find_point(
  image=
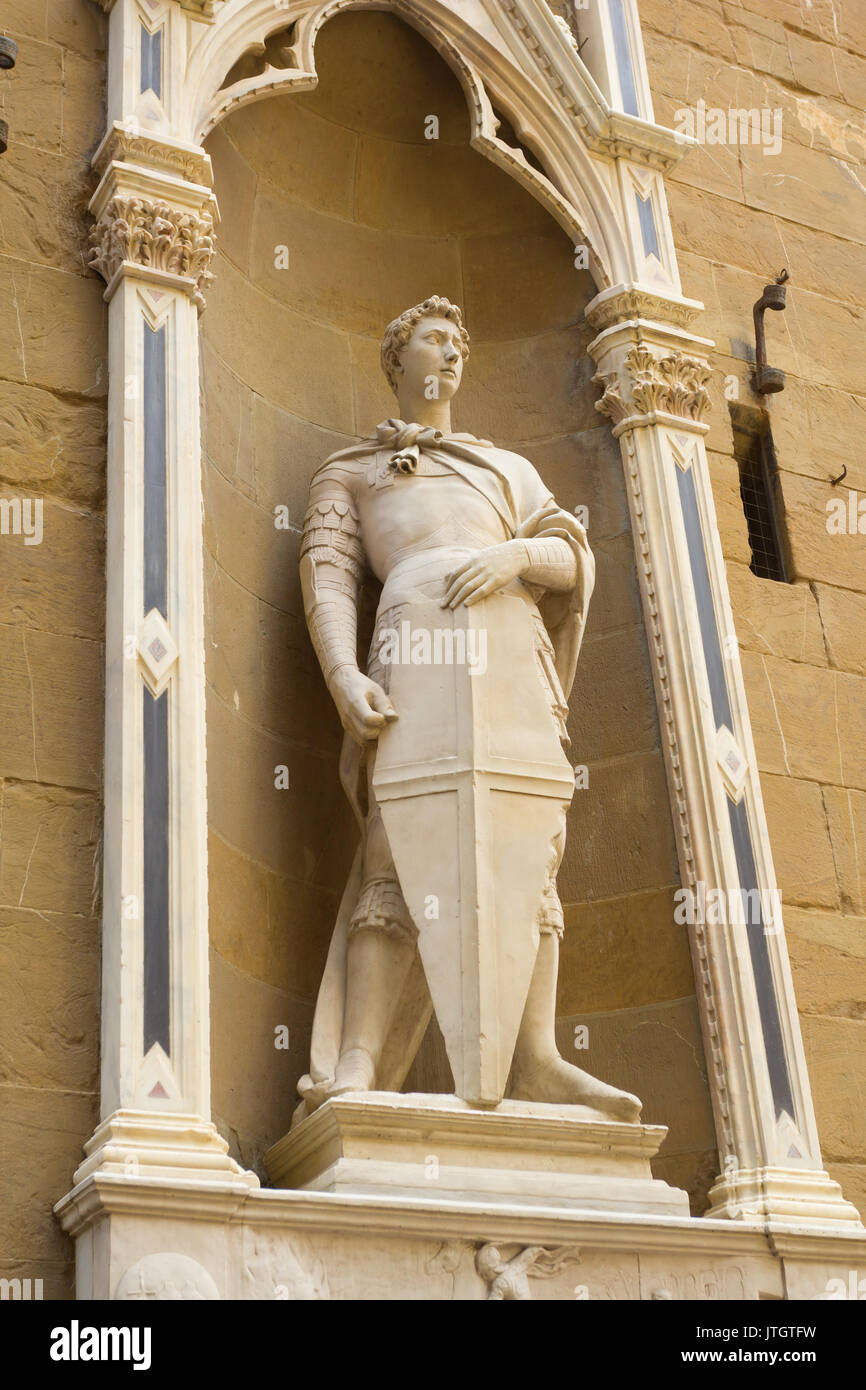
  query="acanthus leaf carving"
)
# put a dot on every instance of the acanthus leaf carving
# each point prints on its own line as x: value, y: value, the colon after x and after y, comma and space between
x: 673, y: 385
x: 156, y: 235
x: 686, y: 391
x: 611, y: 404
x: 647, y: 384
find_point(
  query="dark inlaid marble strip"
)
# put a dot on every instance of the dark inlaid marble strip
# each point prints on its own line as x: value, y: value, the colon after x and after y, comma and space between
x: 155, y: 911
x: 157, y: 977
x: 646, y: 218
x: 777, y: 1065
x: 155, y: 525
x: 704, y: 596
x: 151, y: 62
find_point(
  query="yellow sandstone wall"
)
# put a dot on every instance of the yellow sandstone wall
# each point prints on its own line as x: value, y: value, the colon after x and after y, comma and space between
x: 739, y: 216
x: 375, y: 217
x: 52, y: 601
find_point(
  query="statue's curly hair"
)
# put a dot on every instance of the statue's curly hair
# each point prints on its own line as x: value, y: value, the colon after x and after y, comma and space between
x: 400, y: 330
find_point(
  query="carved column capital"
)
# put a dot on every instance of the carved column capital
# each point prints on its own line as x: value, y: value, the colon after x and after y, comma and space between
x: 154, y: 210
x: 647, y: 386
x: 675, y: 383
x: 651, y: 364
x: 156, y: 235
x: 612, y: 403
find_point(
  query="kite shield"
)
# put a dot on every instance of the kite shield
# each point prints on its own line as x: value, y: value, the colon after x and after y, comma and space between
x: 473, y: 783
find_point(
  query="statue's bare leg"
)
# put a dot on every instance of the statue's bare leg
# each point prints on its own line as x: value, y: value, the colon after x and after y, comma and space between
x: 538, y: 1072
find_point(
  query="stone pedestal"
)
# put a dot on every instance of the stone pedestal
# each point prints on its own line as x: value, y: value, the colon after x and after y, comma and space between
x: 383, y: 1144
x: 425, y: 1198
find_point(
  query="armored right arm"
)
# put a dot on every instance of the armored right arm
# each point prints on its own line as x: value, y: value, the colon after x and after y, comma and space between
x: 332, y: 565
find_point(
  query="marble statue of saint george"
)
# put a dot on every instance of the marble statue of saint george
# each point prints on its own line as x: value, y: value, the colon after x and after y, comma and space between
x: 454, y: 758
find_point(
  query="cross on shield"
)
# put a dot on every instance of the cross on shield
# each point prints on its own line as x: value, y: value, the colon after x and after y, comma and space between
x: 472, y: 782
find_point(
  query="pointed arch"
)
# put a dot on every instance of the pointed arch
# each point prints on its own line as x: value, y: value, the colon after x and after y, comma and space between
x: 570, y: 187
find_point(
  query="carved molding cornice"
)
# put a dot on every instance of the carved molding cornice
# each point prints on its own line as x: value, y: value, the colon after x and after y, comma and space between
x: 205, y: 9
x: 157, y: 236
x: 633, y: 302
x: 628, y: 137
x: 202, y: 9
x: 128, y: 145
x: 672, y: 385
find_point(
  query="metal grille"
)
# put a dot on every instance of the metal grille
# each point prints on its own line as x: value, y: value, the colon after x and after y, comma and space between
x: 756, y: 461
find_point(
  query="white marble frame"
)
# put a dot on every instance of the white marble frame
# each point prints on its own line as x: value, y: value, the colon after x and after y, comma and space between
x: 516, y: 54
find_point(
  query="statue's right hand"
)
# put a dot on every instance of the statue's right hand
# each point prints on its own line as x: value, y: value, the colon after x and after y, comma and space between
x: 363, y: 706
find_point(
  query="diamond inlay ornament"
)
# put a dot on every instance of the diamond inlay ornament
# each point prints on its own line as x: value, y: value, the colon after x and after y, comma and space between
x: 158, y: 651
x: 732, y: 763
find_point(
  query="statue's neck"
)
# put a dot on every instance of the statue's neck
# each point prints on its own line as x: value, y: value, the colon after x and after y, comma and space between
x: 415, y: 409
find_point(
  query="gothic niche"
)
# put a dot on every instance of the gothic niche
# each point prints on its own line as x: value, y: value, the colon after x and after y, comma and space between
x: 340, y: 207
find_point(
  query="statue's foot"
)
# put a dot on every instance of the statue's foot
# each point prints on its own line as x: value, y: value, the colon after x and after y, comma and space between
x: 356, y: 1071
x: 557, y: 1082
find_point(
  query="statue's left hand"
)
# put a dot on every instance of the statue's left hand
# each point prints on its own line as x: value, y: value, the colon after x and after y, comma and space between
x: 484, y: 573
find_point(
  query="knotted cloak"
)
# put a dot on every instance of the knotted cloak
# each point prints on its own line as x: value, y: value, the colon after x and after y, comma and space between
x: 528, y: 511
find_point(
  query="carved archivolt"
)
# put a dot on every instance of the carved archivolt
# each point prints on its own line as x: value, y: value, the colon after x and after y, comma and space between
x: 674, y: 385
x: 155, y: 235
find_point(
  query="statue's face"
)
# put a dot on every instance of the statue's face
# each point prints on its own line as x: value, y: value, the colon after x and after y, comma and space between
x: 433, y: 354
